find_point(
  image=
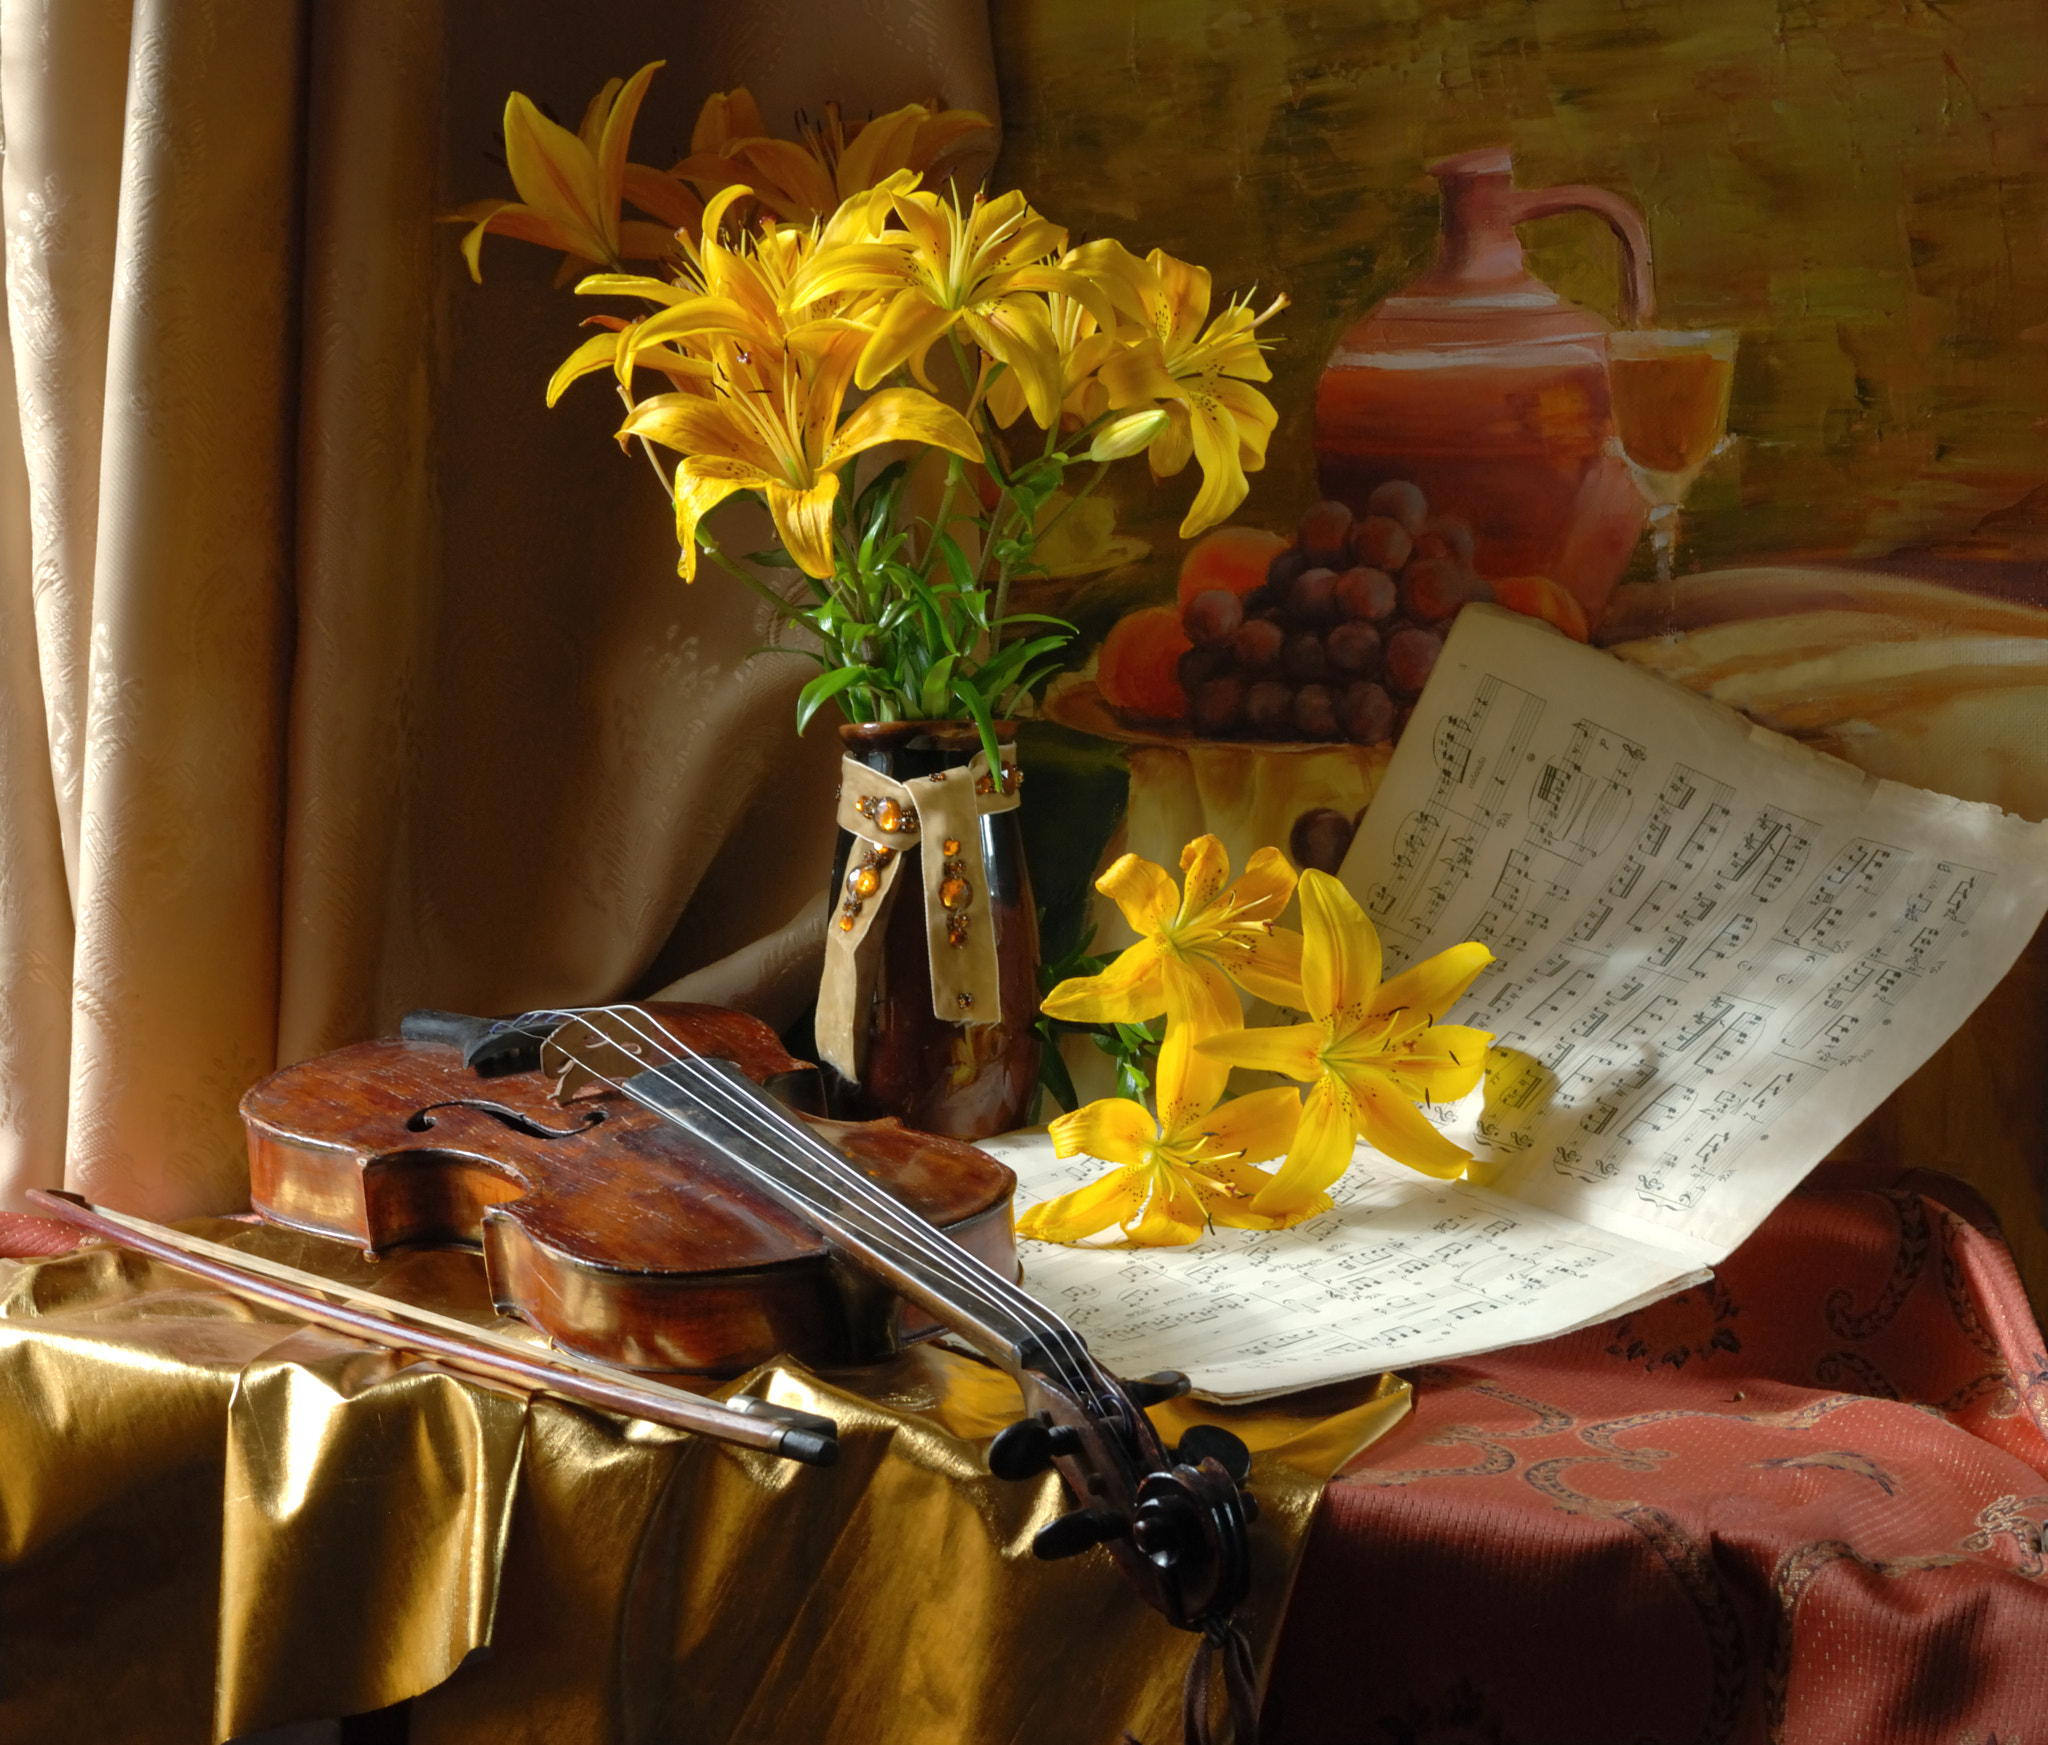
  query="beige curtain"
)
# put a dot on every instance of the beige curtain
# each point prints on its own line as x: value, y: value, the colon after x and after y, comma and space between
x: 337, y: 675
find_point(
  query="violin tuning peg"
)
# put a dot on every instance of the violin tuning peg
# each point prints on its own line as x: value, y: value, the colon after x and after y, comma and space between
x: 1022, y: 1451
x: 1028, y: 1447
x: 1070, y: 1535
x: 1157, y: 1388
x: 1213, y: 1442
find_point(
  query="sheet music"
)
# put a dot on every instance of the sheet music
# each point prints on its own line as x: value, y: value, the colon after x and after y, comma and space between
x: 1404, y: 1270
x: 1718, y: 951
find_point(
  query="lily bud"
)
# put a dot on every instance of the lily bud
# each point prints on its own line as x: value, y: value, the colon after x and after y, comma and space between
x: 1129, y: 435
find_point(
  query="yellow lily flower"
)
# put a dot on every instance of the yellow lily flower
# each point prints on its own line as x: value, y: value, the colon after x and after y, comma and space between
x: 770, y: 423
x: 974, y: 268
x: 1083, y: 348
x: 1193, y: 943
x: 1201, y: 378
x: 1371, y: 1051
x: 570, y: 185
x: 1189, y: 1168
x: 804, y: 179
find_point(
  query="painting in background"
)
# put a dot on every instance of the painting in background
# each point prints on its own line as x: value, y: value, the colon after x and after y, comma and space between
x: 1852, y: 195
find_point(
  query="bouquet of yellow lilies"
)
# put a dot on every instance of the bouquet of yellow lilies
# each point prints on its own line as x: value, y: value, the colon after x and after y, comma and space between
x: 1370, y: 1051
x: 806, y: 289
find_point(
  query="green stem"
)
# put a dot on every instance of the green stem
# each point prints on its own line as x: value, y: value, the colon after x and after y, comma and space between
x: 784, y: 609
x: 955, y: 470
x: 1067, y: 508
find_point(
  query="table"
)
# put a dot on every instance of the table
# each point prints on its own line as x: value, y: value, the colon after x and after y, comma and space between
x: 1803, y: 1502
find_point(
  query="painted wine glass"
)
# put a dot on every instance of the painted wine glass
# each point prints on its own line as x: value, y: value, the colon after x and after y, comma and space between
x: 1669, y: 388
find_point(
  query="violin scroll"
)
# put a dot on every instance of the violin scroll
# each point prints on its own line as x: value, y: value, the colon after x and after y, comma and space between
x: 1177, y: 1522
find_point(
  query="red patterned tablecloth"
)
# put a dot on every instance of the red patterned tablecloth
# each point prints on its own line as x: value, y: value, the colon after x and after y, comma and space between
x: 1803, y: 1502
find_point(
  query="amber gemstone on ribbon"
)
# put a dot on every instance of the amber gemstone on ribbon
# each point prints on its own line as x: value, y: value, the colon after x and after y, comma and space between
x: 889, y: 815
x: 956, y: 893
x: 951, y: 845
x: 865, y: 883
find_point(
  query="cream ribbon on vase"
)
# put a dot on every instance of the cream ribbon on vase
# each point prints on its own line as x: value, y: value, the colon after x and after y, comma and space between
x: 942, y: 814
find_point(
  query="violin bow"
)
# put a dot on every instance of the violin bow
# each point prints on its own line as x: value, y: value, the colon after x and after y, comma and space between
x: 476, y: 1351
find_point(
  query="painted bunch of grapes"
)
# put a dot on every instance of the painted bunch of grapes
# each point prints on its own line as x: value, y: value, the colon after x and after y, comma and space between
x: 1328, y: 637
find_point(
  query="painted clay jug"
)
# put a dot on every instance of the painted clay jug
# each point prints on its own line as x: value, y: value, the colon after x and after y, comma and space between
x: 1480, y: 384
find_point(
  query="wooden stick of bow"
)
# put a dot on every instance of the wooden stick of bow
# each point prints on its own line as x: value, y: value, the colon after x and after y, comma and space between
x: 476, y: 1351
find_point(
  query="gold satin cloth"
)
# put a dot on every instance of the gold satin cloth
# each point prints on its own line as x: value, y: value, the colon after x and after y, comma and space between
x: 214, y: 1519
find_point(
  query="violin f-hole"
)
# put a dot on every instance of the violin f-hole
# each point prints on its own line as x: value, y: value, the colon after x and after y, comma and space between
x: 422, y: 1120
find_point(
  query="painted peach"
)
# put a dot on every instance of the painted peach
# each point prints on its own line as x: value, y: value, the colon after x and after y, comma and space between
x: 1540, y: 597
x: 1135, y: 670
x: 1231, y: 557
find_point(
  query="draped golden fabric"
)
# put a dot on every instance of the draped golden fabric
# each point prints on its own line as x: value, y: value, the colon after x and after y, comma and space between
x: 219, y: 1521
x: 337, y: 675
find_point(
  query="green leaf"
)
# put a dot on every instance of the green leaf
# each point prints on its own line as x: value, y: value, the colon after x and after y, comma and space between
x: 1052, y: 1072
x: 934, y: 694
x: 871, y: 510
x: 954, y: 559
x: 978, y: 709
x: 771, y: 557
x: 825, y: 687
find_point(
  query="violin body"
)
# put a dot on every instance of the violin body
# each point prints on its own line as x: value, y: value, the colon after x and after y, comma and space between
x: 644, y: 1194
x: 616, y: 1233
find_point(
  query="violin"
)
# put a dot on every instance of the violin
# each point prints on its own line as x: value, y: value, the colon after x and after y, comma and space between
x: 652, y: 1187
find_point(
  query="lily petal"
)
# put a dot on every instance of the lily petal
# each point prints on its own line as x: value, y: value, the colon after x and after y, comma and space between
x: 1340, y: 957
x: 1110, y: 1199
x: 664, y: 197
x: 1200, y: 1003
x: 1321, y: 1151
x: 1270, y: 968
x: 599, y: 352
x: 1216, y: 450
x: 1132, y: 990
x: 1418, y: 997
x: 690, y: 424
x: 1015, y: 331
x: 1142, y: 890
x: 1237, y: 1211
x: 1114, y: 1129
x: 1293, y: 1049
x: 1249, y: 1129
x: 904, y: 415
x: 909, y: 327
x: 616, y: 135
x: 803, y: 521
x: 1264, y: 888
x: 511, y: 218
x: 1173, y: 1215
x: 1389, y: 1122
x: 555, y: 175
x: 696, y: 498
x: 1440, y: 1064
x: 1205, y: 869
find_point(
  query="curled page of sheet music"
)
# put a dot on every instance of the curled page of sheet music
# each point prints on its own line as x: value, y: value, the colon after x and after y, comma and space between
x: 1717, y: 952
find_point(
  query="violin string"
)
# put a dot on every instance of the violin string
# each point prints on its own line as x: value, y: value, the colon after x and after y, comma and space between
x: 1062, y: 1346
x: 1060, y: 1341
x: 968, y: 1284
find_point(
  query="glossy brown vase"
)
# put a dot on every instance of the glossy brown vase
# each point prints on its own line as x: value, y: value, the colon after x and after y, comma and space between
x: 963, y: 1081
